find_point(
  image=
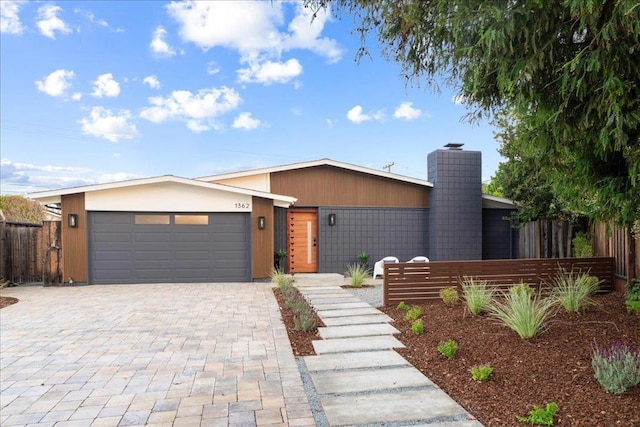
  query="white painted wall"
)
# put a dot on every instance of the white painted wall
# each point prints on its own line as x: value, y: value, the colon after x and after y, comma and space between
x: 258, y: 182
x: 167, y: 197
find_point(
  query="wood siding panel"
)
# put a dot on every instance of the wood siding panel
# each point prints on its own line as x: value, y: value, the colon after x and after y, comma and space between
x: 262, y: 240
x: 74, y: 240
x: 332, y: 186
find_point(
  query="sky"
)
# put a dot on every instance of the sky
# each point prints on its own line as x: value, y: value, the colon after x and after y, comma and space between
x: 102, y: 91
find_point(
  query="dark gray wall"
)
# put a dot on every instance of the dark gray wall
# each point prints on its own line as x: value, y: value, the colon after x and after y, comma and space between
x: 399, y: 232
x: 499, y: 240
x: 455, y: 222
x: 280, y: 232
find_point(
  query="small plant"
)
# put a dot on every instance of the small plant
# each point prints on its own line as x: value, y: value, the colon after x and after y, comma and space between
x: 525, y: 314
x: 404, y: 306
x: 357, y: 274
x: 632, y: 298
x: 617, y: 369
x: 363, y: 259
x: 417, y: 327
x: 541, y: 416
x: 414, y: 313
x: 449, y: 295
x: 304, y: 320
x: 477, y: 294
x: 448, y: 348
x: 521, y: 288
x: 481, y: 372
x: 582, y: 246
x: 573, y: 291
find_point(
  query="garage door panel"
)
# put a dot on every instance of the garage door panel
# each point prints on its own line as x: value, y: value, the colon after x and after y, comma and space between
x: 124, y: 252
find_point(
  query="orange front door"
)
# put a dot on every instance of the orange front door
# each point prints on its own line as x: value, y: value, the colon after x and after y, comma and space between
x: 303, y: 241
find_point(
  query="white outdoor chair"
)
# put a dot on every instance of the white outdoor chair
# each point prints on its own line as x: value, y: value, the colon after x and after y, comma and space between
x: 419, y: 259
x: 378, y: 267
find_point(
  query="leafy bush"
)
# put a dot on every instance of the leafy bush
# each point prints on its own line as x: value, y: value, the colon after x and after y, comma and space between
x: 582, y: 246
x: 521, y: 288
x: 449, y: 295
x: 304, y: 320
x: 541, y: 416
x: 481, y: 372
x: 573, y: 291
x: 20, y: 209
x: 414, y: 313
x: 357, y: 273
x: 417, y: 327
x: 363, y: 259
x: 524, y: 313
x: 448, y: 348
x: 477, y: 294
x: 632, y: 297
x: 404, y: 306
x: 617, y: 369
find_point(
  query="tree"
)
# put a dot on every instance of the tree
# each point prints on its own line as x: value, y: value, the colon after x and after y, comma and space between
x: 21, y: 209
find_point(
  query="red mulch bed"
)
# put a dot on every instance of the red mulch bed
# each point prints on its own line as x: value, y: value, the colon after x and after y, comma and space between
x: 5, y: 301
x: 300, y: 341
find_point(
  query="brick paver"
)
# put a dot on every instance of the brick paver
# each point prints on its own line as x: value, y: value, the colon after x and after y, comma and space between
x: 166, y: 355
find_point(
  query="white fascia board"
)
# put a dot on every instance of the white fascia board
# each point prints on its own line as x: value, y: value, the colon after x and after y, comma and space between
x: 498, y: 201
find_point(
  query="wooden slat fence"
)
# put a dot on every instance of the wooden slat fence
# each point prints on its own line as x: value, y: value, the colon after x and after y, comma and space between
x: 415, y: 282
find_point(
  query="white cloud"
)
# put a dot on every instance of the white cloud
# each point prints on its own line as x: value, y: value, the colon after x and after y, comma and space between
x: 459, y: 99
x: 10, y: 17
x: 305, y: 34
x: 76, y: 96
x: 270, y: 72
x: 406, y: 111
x: 152, y: 81
x: 246, y: 122
x: 56, y: 83
x: 357, y: 116
x: 105, y: 85
x: 159, y: 46
x: 199, y: 110
x: 101, y: 22
x: 104, y: 123
x: 49, y: 22
x: 212, y: 68
x: 331, y: 123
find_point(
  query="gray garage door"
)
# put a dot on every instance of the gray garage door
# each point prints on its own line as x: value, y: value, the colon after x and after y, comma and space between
x: 130, y: 247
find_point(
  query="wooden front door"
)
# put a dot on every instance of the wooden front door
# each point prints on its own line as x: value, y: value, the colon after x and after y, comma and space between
x: 302, y: 238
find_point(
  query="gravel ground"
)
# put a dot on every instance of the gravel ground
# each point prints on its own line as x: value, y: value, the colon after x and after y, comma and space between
x: 372, y: 296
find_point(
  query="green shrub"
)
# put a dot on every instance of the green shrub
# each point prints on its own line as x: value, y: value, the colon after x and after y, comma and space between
x: 357, y: 274
x: 304, y: 320
x: 448, y: 348
x: 414, y: 313
x: 449, y: 295
x: 617, y: 369
x: 404, y: 306
x: 477, y: 294
x: 521, y: 288
x: 481, y: 372
x: 296, y: 303
x: 524, y: 313
x: 541, y: 416
x: 417, y: 327
x: 363, y: 259
x: 573, y: 291
x: 632, y: 298
x: 582, y: 246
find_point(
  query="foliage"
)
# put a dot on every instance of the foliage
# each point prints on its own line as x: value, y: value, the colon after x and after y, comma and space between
x: 417, y: 327
x: 363, y: 258
x: 541, y: 416
x: 449, y: 295
x: 521, y: 288
x: 477, y: 295
x: 632, y: 297
x: 617, y: 369
x: 573, y: 291
x: 481, y: 372
x: 403, y: 306
x: 524, y: 313
x: 304, y: 319
x: 413, y: 313
x: 448, y: 348
x: 357, y: 274
x: 582, y: 246
x: 280, y: 254
x: 21, y: 209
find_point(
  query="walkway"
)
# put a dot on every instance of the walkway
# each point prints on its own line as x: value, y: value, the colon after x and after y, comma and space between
x: 356, y: 373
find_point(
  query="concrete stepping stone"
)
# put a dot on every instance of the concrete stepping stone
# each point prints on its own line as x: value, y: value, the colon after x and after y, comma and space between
x: 335, y: 295
x: 390, y: 407
x: 368, y: 380
x: 342, y: 345
x: 321, y: 291
x: 365, y: 330
x: 340, y: 305
x: 334, y: 300
x: 349, y: 312
x: 357, y: 320
x: 355, y: 360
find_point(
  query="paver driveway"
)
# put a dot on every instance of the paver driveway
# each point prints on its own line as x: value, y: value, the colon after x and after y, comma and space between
x: 169, y: 354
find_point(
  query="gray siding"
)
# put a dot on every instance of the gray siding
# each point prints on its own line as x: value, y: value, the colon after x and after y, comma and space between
x: 123, y: 252
x: 399, y: 232
x: 499, y: 239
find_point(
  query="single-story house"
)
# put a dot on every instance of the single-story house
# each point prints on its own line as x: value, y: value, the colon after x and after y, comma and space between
x: 226, y: 228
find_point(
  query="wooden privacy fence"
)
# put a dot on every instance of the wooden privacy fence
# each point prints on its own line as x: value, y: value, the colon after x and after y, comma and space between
x: 31, y: 253
x: 416, y: 282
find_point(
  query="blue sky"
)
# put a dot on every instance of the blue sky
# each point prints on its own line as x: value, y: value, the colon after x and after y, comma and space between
x: 95, y: 92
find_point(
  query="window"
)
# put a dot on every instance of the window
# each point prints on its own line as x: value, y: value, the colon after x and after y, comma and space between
x: 162, y: 219
x: 192, y: 219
